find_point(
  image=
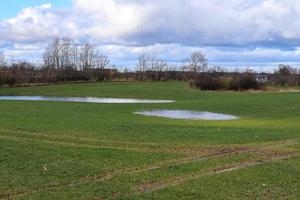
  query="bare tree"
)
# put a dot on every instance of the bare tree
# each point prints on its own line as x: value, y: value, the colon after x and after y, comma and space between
x: 61, y: 54
x: 153, y: 60
x: 172, y: 67
x: 156, y: 63
x: 51, y: 56
x: 90, y: 57
x: 150, y: 62
x: 197, y: 62
x: 75, y: 58
x: 87, y: 56
x: 66, y: 53
x: 101, y: 60
x: 143, y: 63
x: 160, y: 66
x: 2, y: 59
x: 216, y: 69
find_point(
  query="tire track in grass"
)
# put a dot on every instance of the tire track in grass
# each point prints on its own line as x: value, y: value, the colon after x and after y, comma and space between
x: 101, y: 144
x: 175, y: 150
x: 110, y: 175
x: 191, y: 150
x: 90, y: 146
x: 54, y: 136
x: 133, y: 170
x: 175, y: 181
x: 277, y: 109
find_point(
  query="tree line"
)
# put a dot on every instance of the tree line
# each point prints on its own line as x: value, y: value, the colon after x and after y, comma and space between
x: 64, y: 60
x: 64, y: 54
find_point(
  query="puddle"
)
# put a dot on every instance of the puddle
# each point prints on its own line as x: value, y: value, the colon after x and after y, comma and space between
x: 84, y: 99
x: 185, y: 114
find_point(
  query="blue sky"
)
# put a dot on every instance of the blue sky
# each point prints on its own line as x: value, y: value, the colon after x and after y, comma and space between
x: 12, y: 7
x: 235, y: 32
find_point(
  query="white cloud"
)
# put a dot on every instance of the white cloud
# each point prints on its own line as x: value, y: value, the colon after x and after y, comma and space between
x: 108, y: 20
x: 225, y: 30
x: 190, y: 22
x: 35, y: 25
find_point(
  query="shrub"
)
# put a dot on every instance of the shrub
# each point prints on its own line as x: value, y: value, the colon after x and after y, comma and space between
x: 11, y: 81
x: 286, y: 76
x: 206, y: 82
x: 246, y: 81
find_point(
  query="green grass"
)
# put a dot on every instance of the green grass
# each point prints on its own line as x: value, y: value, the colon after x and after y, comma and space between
x: 60, y: 150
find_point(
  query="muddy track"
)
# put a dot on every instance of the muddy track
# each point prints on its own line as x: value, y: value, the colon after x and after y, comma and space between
x: 133, y: 170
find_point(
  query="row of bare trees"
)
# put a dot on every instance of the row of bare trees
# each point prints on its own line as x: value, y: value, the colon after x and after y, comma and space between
x: 196, y: 63
x: 62, y: 54
x: 151, y: 62
x: 65, y: 60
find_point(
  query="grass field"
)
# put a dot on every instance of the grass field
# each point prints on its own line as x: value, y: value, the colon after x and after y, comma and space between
x: 60, y: 150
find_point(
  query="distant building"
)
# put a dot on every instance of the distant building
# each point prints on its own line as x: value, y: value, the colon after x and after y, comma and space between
x: 262, y: 78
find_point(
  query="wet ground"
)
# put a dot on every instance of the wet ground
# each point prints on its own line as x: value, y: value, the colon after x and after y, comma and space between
x: 189, y: 115
x: 84, y: 99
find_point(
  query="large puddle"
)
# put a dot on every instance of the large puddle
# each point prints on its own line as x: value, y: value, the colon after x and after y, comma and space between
x: 84, y: 99
x: 185, y: 114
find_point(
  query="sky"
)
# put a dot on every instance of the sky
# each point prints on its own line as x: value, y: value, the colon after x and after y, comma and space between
x: 232, y: 33
x: 12, y: 7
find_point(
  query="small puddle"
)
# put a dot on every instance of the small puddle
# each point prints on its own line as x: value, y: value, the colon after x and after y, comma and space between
x: 84, y: 99
x: 185, y: 114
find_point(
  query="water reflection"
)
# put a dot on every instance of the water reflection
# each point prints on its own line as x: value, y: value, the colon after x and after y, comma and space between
x: 185, y: 114
x: 84, y: 99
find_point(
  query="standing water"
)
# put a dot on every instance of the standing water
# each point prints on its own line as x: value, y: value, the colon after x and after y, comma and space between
x: 185, y: 114
x: 84, y: 99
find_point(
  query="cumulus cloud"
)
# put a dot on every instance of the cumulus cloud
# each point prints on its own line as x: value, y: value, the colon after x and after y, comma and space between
x: 247, y: 29
x: 32, y: 24
x: 191, y: 22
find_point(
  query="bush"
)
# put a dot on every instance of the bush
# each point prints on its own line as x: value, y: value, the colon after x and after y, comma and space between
x: 246, y: 81
x: 286, y: 76
x: 233, y: 84
x: 206, y: 82
x: 11, y: 81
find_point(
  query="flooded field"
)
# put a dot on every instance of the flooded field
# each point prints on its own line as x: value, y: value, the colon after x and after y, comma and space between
x: 84, y: 99
x: 189, y: 115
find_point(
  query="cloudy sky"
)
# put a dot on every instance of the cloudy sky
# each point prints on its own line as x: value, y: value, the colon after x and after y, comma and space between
x: 252, y: 32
